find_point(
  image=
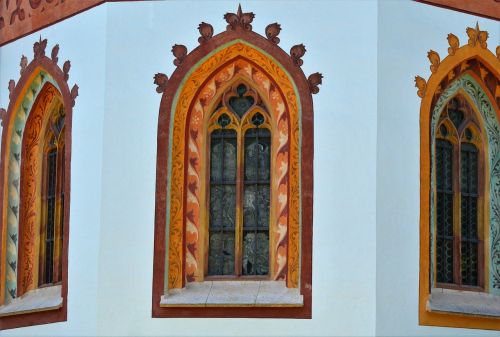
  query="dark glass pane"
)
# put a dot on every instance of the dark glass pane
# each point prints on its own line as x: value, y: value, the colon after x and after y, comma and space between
x: 222, y: 215
x: 223, y: 156
x: 257, y: 155
x: 443, y: 130
x: 241, y: 103
x: 255, y: 252
x: 61, y: 224
x: 221, y: 253
x: 469, y: 214
x: 454, y: 112
x: 222, y: 206
x: 224, y: 120
x: 50, y: 220
x: 444, y: 211
x: 256, y: 202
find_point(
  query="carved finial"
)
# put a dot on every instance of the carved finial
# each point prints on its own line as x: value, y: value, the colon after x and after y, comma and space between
x: 296, y: 53
x: 39, y: 48
x: 206, y: 31
x: 12, y: 86
x: 454, y: 43
x: 477, y: 36
x: 239, y: 20
x: 421, y: 85
x: 180, y: 52
x: 3, y: 116
x: 435, y: 60
x: 315, y: 80
x: 161, y: 81
x: 272, y: 32
x: 55, y: 52
x: 23, y: 64
x: 66, y: 68
x: 74, y: 94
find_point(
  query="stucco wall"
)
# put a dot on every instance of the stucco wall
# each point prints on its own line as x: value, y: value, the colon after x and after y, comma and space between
x: 366, y: 197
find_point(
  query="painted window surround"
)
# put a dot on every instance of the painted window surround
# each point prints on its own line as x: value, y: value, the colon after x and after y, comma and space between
x: 201, y: 76
x: 41, y: 85
x: 472, y: 71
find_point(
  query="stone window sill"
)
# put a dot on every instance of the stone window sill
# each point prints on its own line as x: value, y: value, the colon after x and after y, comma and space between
x: 464, y: 302
x: 233, y: 293
x: 41, y: 299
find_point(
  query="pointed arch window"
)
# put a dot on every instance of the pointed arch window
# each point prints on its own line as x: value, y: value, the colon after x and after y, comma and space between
x: 460, y: 176
x: 234, y: 177
x: 35, y: 188
x: 460, y: 194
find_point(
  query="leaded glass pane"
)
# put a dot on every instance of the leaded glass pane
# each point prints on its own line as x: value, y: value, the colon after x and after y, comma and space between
x: 223, y: 156
x: 256, y: 252
x: 222, y: 213
x: 456, y: 115
x: 50, y: 219
x: 444, y: 210
x: 469, y: 214
x: 241, y: 103
x: 256, y: 202
x: 221, y: 253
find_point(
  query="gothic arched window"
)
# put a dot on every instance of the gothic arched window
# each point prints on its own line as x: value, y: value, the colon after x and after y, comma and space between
x: 459, y: 189
x: 234, y: 178
x: 35, y: 186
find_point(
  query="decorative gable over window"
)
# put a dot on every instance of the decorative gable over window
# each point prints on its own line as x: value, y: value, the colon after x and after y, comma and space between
x: 235, y: 177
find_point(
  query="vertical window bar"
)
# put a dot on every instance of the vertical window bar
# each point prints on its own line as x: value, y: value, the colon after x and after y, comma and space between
x: 444, y: 208
x: 469, y: 214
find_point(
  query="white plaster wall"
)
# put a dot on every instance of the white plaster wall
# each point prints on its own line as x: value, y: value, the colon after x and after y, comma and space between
x: 365, y: 268
x: 407, y: 31
x: 140, y: 36
x: 81, y: 41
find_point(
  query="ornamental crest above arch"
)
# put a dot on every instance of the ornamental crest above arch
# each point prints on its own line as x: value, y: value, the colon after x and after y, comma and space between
x: 243, y: 74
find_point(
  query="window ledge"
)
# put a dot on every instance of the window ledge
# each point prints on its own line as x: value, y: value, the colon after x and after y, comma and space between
x: 464, y: 302
x: 234, y: 293
x: 41, y: 299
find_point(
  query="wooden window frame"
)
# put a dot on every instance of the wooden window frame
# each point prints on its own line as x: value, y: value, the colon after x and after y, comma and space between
x: 42, y: 81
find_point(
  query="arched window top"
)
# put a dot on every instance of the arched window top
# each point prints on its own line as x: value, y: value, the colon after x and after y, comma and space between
x: 34, y: 131
x: 460, y: 161
x: 237, y: 81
